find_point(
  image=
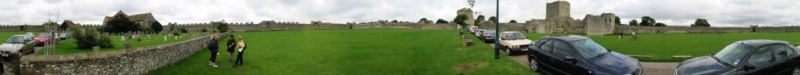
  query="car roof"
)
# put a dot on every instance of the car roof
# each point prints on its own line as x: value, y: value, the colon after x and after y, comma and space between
x: 566, y: 38
x: 511, y: 32
x: 759, y: 42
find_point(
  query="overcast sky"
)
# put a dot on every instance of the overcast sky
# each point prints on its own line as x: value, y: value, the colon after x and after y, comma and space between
x: 671, y: 12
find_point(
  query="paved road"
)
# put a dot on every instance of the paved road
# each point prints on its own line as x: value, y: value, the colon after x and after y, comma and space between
x: 650, y: 68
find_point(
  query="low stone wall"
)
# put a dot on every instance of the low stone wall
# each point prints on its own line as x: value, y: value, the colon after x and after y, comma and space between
x: 132, y: 61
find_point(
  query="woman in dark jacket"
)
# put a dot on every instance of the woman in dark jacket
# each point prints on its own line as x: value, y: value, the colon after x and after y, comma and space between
x: 231, y: 46
x: 213, y: 48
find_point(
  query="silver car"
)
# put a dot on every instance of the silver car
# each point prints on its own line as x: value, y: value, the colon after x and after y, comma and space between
x: 17, y: 44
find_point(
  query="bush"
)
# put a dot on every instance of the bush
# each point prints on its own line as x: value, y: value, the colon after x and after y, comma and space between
x: 204, y: 30
x: 183, y: 30
x: 90, y: 38
x: 176, y: 34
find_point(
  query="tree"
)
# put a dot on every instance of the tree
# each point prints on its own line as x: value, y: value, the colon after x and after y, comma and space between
x: 479, y: 19
x: 221, y: 26
x: 156, y: 26
x: 513, y: 21
x: 316, y: 22
x: 394, y: 21
x: 424, y: 20
x: 660, y: 24
x: 633, y: 23
x: 616, y: 20
x: 701, y: 23
x: 460, y: 20
x: 441, y: 21
x: 493, y: 19
x: 647, y: 21
x: 120, y: 24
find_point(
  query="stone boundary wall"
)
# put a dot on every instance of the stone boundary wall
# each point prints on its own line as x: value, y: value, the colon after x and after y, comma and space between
x: 298, y: 26
x: 135, y: 61
x: 643, y: 29
x: 521, y: 27
x: 21, y: 28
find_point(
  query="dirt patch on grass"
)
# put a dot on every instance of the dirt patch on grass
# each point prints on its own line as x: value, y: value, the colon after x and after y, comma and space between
x: 470, y: 66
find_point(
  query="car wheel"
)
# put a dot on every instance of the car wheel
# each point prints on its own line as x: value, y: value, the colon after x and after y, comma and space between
x: 796, y: 70
x: 534, y: 66
x: 508, y: 51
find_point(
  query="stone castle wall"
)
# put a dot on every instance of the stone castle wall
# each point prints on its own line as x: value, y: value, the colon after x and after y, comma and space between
x: 21, y: 28
x: 127, y: 62
x: 671, y: 29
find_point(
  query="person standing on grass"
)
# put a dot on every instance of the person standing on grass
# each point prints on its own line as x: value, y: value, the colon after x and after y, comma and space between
x: 231, y: 46
x: 213, y: 48
x: 239, y: 59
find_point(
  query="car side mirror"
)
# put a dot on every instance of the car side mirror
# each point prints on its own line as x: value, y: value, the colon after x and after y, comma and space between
x: 571, y: 59
x: 749, y: 67
x: 782, y: 53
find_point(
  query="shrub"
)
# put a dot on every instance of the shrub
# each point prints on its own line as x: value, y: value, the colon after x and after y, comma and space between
x: 204, y: 30
x: 176, y: 34
x: 183, y: 30
x: 221, y: 26
x: 90, y: 38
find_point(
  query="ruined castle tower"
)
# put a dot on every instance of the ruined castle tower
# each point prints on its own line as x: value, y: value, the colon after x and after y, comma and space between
x: 558, y: 10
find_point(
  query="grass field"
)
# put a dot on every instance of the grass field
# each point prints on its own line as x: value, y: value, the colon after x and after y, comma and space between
x: 353, y: 52
x: 663, y: 46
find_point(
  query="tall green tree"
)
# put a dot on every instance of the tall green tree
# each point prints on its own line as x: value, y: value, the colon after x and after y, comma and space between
x: 633, y: 23
x: 394, y: 21
x: 493, y: 19
x: 441, y: 21
x: 701, y: 23
x: 513, y: 21
x: 156, y: 26
x: 648, y: 21
x: 460, y: 20
x: 120, y: 23
x: 479, y: 19
x: 660, y: 24
x: 616, y: 20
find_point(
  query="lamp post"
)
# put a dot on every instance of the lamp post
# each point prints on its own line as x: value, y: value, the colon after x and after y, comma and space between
x: 497, y: 30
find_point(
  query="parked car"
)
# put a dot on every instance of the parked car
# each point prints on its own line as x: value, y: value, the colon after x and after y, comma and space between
x: 42, y: 38
x: 472, y: 29
x: 15, y: 45
x: 63, y: 36
x: 578, y: 55
x: 487, y: 36
x: 746, y: 57
x: 479, y: 32
x: 513, y: 41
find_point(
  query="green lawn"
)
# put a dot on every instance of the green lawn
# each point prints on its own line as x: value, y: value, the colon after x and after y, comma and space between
x: 352, y: 52
x: 70, y: 47
x: 663, y: 46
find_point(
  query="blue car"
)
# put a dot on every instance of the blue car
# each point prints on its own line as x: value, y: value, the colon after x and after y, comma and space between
x: 578, y: 55
x: 746, y: 57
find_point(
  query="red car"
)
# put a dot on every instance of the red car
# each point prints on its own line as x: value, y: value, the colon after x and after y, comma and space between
x: 42, y: 38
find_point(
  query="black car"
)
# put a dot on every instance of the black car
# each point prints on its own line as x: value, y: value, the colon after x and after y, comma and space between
x: 578, y: 55
x: 746, y: 57
x: 487, y: 36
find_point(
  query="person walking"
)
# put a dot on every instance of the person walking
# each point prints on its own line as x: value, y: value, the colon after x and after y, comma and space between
x: 242, y: 46
x: 231, y: 47
x: 213, y: 48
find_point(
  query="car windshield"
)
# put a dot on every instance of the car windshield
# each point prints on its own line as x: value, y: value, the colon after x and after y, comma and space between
x: 491, y: 32
x: 15, y: 39
x: 588, y: 48
x: 514, y: 36
x: 43, y: 35
x: 732, y: 54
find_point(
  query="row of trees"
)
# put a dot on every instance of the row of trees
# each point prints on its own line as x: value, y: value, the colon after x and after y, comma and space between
x: 649, y: 21
x: 120, y: 24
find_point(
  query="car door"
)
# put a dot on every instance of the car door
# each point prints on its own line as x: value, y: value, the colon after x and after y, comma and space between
x: 783, y: 56
x: 563, y: 50
x: 545, y: 54
x: 762, y: 59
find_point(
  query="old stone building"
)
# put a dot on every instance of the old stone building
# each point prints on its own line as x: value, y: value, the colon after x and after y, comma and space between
x: 143, y: 19
x: 470, y: 19
x: 558, y: 20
